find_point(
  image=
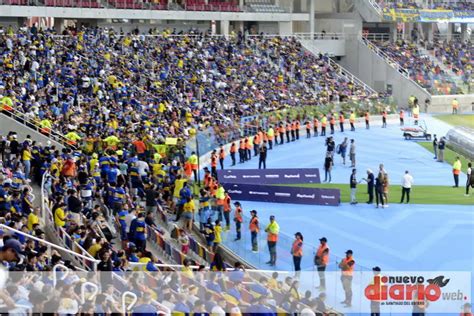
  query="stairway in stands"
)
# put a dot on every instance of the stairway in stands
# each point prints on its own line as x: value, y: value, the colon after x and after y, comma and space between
x: 447, y: 70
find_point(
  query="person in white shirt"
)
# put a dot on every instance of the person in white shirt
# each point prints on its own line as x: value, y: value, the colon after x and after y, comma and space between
x: 407, y: 182
x: 470, y: 179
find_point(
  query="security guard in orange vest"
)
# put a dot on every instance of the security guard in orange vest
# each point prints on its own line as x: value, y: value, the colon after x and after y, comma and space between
x: 238, y: 219
x: 321, y: 260
x: 272, y: 230
x: 254, y: 228
x: 221, y: 157
x: 270, y: 135
x: 341, y: 121
x: 315, y: 126
x: 256, y: 144
x: 332, y: 122
x: 367, y: 119
x: 233, y: 150
x: 402, y: 116
x: 288, y: 131
x: 282, y: 133
x: 214, y: 164
x: 347, y: 268
x: 248, y: 148
x: 352, y: 119
x: 227, y: 201
x: 297, y: 252
x: 297, y: 129
x: 308, y: 129
x: 324, y: 122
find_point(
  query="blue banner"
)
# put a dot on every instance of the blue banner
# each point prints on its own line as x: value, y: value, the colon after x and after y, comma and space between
x: 282, y: 194
x: 436, y: 15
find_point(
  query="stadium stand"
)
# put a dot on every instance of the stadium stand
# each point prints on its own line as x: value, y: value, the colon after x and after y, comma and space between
x: 120, y: 110
x: 82, y: 230
x: 420, y: 68
x: 74, y: 181
x: 457, y: 55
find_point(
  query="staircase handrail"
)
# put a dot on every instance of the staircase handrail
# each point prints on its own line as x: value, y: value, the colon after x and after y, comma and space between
x: 341, y: 71
x: 392, y: 63
x: 34, y: 125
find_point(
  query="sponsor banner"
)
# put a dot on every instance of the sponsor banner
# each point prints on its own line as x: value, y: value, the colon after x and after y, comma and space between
x: 425, y: 15
x: 283, y: 194
x: 436, y: 15
x: 400, y: 15
x: 463, y: 17
x: 269, y: 176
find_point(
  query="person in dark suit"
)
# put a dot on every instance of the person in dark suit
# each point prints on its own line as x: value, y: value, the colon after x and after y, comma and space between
x: 370, y: 186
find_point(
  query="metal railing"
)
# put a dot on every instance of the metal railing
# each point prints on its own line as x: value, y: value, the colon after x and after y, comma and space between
x: 392, y: 63
x: 79, y: 255
x: 454, y: 36
x: 372, y: 46
x: 340, y: 71
x: 44, y: 242
x: 375, y: 5
x: 34, y: 125
x: 230, y: 7
x: 322, y: 36
x: 377, y: 36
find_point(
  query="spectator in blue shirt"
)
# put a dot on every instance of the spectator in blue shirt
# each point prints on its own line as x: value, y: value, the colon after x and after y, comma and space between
x: 143, y: 306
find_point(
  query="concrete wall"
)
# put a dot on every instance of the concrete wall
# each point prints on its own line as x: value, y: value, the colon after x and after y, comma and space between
x: 442, y: 103
x: 373, y: 70
x: 272, y: 27
x: 340, y: 23
x: 11, y: 21
x: 332, y: 47
x: 367, y: 11
x: 324, y: 5
x: 8, y: 124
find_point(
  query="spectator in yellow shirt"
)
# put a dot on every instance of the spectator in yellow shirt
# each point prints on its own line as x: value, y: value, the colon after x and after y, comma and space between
x: 72, y: 137
x: 59, y: 214
x: 188, y: 213
x: 217, y: 235
x: 95, y: 248
x: 33, y: 218
x: 26, y: 159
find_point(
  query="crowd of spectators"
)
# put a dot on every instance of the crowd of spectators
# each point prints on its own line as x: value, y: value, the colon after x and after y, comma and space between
x: 456, y: 54
x: 420, y: 67
x: 116, y: 99
x: 99, y: 84
x: 17, y: 208
x: 77, y: 196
